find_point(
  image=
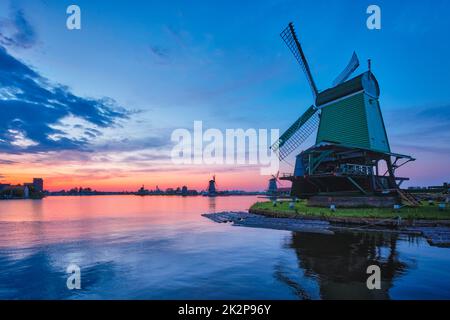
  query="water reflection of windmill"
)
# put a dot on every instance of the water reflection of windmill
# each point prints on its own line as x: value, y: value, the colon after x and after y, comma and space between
x: 339, y: 264
x: 351, y: 144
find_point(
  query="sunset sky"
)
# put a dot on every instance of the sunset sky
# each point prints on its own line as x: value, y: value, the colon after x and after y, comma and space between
x: 96, y: 107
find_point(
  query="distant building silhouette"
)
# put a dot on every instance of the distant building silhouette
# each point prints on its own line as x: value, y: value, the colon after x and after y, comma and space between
x: 4, y: 186
x: 34, y: 190
x: 26, y: 192
x: 38, y: 184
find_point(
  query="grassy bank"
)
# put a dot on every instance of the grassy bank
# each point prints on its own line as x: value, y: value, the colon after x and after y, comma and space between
x: 301, y: 209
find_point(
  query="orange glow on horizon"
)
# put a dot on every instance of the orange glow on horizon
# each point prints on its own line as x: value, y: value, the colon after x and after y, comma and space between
x: 120, y: 176
x: 59, y: 178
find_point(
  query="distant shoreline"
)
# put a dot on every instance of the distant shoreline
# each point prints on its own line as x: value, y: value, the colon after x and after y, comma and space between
x: 146, y: 195
x: 135, y: 194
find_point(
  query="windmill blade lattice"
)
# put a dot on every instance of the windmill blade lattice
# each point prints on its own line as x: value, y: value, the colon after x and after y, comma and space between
x: 290, y: 38
x: 297, y: 133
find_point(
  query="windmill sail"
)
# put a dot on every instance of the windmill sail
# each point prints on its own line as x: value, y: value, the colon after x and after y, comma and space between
x: 297, y: 133
x: 352, y: 65
x: 290, y: 38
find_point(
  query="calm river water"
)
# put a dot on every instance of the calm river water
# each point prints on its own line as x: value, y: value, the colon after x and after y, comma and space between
x: 131, y: 247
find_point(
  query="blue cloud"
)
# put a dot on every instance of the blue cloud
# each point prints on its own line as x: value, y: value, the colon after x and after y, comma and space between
x: 16, y: 31
x: 31, y: 106
x: 25, y: 35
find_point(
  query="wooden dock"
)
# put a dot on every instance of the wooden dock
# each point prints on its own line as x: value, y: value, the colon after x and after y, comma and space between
x: 436, y: 236
x: 258, y: 221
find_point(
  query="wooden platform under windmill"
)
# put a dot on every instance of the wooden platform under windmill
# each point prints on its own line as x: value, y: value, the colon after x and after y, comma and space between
x: 351, y: 161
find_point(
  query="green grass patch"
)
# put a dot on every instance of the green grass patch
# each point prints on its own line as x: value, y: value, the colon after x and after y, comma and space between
x: 300, y: 208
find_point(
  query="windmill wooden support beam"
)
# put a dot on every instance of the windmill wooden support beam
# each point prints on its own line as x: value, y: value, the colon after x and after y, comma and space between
x: 332, y: 168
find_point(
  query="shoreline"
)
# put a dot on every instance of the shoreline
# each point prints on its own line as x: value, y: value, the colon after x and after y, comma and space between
x: 134, y: 194
x: 351, y: 221
x: 423, y: 215
x: 437, y: 233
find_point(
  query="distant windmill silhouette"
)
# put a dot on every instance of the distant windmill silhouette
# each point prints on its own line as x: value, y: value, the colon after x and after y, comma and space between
x: 212, y: 190
x: 273, y: 184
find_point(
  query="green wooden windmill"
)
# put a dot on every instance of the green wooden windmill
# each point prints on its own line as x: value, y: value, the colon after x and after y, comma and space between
x: 352, y: 147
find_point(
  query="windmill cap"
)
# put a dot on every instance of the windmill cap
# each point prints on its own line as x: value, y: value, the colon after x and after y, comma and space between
x: 364, y: 82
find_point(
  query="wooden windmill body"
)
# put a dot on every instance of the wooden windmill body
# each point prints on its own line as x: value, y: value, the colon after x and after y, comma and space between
x: 351, y: 154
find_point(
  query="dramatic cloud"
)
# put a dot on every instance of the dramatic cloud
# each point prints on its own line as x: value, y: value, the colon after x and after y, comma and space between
x: 38, y: 115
